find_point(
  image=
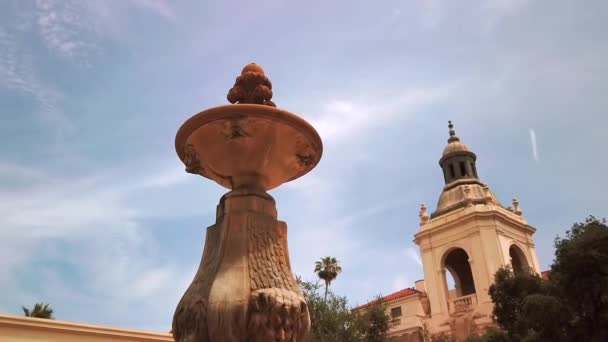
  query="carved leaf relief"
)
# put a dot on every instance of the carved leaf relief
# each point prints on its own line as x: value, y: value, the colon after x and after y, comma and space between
x: 234, y: 129
x: 192, y: 161
x: 267, y: 256
x: 305, y: 153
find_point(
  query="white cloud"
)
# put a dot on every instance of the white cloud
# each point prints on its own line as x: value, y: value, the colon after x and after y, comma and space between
x: 343, y: 119
x: 13, y: 171
x: 17, y: 74
x: 494, y: 11
x: 72, y: 29
x: 110, y: 249
x: 400, y: 282
x: 74, y: 209
x: 413, y: 254
x: 534, y: 145
x: 432, y: 14
x: 331, y: 236
x: 114, y: 277
x: 63, y: 25
x: 503, y: 7
x: 160, y: 7
x: 488, y: 14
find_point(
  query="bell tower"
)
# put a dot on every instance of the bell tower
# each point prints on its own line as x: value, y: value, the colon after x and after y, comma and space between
x: 468, y: 237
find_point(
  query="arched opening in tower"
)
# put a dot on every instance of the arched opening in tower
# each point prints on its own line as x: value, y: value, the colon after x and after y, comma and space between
x: 461, y: 282
x: 518, y: 260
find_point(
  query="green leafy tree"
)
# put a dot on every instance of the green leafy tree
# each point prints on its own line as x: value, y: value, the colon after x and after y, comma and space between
x: 374, y: 323
x: 524, y: 308
x: 571, y: 306
x: 511, y: 294
x: 579, y: 275
x: 327, y: 269
x: 40, y: 310
x: 331, y: 318
x: 492, y: 335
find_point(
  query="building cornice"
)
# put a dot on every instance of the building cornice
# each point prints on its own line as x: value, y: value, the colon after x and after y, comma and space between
x: 462, y: 215
x: 63, y: 327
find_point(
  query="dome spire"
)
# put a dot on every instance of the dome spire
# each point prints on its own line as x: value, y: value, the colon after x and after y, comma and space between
x: 453, y: 136
x: 457, y: 161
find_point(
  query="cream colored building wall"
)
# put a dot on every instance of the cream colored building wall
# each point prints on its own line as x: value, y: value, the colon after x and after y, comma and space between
x: 412, y: 313
x: 521, y: 239
x: 485, y: 233
x: 432, y: 279
x: 454, y: 230
x: 25, y: 329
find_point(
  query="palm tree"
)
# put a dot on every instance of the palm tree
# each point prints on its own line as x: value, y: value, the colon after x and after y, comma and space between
x: 40, y: 310
x: 327, y: 269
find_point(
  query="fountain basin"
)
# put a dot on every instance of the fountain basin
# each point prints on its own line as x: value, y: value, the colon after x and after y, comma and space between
x: 248, y: 145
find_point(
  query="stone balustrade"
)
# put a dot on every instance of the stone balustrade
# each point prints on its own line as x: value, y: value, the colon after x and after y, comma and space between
x: 463, y: 303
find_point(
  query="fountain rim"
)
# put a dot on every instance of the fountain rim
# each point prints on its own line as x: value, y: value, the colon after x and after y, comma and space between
x: 248, y: 110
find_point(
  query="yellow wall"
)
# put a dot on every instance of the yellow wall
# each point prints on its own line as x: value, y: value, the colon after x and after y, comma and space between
x: 25, y: 329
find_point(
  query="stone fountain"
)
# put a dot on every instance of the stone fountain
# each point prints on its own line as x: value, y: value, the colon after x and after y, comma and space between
x: 244, y: 289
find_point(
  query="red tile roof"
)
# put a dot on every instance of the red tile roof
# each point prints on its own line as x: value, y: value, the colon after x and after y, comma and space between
x: 396, y: 295
x: 546, y: 275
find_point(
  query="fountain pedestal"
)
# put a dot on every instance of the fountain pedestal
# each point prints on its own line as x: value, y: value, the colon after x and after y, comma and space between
x: 244, y: 289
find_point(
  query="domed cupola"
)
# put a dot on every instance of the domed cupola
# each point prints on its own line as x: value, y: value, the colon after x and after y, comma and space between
x: 462, y: 184
x: 457, y: 162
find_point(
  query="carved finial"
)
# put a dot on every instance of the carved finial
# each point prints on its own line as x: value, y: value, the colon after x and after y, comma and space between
x: 467, y: 195
x: 251, y: 87
x: 424, y: 215
x: 516, y: 208
x: 453, y: 136
x: 488, y: 195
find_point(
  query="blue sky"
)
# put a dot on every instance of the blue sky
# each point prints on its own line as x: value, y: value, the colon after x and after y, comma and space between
x: 98, y: 217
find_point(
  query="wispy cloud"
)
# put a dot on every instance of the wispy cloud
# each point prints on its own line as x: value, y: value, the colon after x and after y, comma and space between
x: 114, y: 274
x: 63, y: 26
x: 400, y: 282
x: 17, y: 74
x: 413, y: 254
x: 346, y: 118
x: 76, y: 208
x: 160, y: 7
x: 432, y: 14
x: 534, y: 146
x: 494, y: 11
x: 72, y: 29
x: 333, y: 237
x: 96, y: 216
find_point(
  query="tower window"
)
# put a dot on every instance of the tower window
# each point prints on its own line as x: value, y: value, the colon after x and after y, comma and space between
x: 463, y: 169
x: 452, y: 172
x: 474, y: 170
